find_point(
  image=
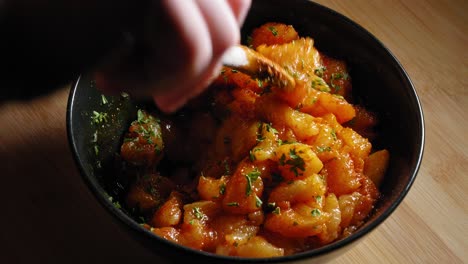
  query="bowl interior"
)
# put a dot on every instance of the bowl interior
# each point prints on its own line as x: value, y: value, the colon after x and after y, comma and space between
x: 379, y: 81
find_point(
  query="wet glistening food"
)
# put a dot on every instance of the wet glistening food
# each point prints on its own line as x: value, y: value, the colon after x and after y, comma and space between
x: 252, y: 170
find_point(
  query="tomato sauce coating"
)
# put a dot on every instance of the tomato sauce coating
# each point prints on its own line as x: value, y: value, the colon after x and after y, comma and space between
x: 250, y: 170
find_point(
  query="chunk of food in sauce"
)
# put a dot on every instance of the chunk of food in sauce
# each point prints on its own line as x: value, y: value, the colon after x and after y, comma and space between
x: 249, y: 170
x: 143, y: 144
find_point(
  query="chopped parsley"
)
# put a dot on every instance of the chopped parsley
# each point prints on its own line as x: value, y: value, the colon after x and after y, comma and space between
x: 320, y: 85
x: 95, y: 137
x: 129, y: 139
x: 319, y: 71
x: 277, y: 211
x: 103, y: 99
x: 198, y: 213
x: 274, y: 31
x: 337, y: 76
x: 339, y: 96
x: 98, y: 117
x: 284, y: 142
x: 318, y: 199
x: 222, y: 188
x: 323, y: 149
x: 270, y: 128
x: 142, y: 118
x: 259, y: 83
x: 233, y: 204
x: 315, y: 212
x: 333, y: 133
x: 258, y: 201
x: 295, y: 161
x: 251, y: 177
x: 252, y: 155
x: 115, y: 203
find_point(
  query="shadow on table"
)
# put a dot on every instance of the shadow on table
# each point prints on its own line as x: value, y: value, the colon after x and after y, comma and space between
x: 48, y: 215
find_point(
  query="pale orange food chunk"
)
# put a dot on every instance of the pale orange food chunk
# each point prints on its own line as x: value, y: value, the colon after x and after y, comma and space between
x: 376, y: 165
x: 170, y: 213
x: 299, y: 221
x: 297, y: 161
x: 272, y: 33
x: 244, y: 190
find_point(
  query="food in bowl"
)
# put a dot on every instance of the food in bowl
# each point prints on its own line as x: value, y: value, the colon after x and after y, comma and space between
x: 247, y: 169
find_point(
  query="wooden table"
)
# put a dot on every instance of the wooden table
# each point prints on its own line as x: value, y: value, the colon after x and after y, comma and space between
x: 48, y: 216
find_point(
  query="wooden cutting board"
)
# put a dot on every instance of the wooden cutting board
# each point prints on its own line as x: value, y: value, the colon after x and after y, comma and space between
x: 48, y: 216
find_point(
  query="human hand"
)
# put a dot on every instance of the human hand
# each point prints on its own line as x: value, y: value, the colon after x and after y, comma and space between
x: 177, y: 53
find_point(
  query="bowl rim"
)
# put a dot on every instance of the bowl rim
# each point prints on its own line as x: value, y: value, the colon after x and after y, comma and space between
x: 98, y: 190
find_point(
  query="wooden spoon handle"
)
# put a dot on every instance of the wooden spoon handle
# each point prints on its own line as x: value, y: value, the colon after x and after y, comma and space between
x: 250, y: 62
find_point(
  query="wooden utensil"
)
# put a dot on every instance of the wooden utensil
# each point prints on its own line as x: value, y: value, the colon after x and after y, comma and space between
x: 250, y: 62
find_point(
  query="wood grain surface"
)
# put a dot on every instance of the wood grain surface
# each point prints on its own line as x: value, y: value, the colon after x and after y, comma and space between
x: 48, y: 216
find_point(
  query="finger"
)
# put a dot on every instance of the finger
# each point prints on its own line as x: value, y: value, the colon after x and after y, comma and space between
x: 222, y: 25
x: 176, y: 49
x: 224, y: 32
x: 170, y: 102
x: 192, y: 28
x: 240, y: 8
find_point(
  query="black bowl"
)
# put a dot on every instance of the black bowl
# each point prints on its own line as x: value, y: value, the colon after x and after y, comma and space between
x: 378, y: 79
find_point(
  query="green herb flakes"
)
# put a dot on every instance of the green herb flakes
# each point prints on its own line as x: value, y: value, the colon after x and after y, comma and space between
x: 319, y: 71
x: 318, y: 199
x: 316, y: 212
x: 259, y: 83
x: 274, y: 31
x: 258, y: 201
x: 333, y: 133
x: 251, y: 177
x: 103, y: 99
x: 277, y: 211
x: 198, y: 213
x: 222, y: 188
x: 323, y: 149
x: 252, y: 155
x: 335, y: 77
x: 98, y: 117
x: 296, y: 162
